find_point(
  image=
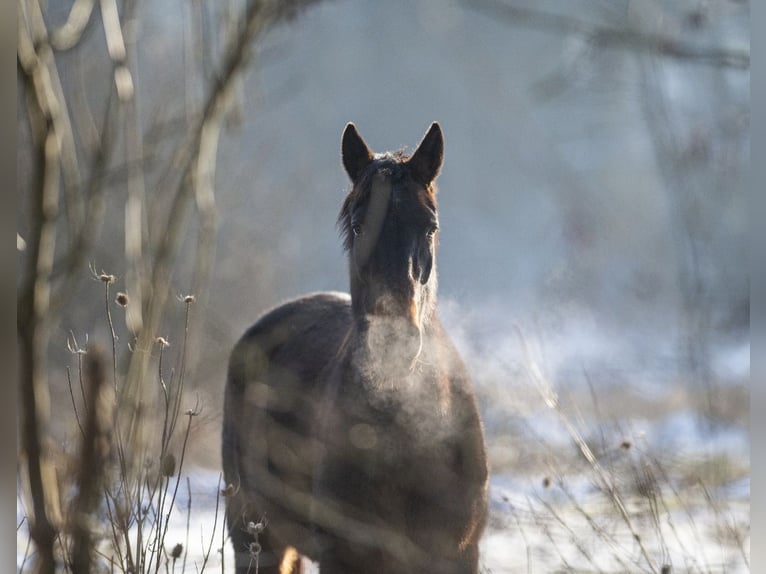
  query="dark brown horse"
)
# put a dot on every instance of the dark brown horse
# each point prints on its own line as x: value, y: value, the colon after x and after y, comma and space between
x: 351, y: 433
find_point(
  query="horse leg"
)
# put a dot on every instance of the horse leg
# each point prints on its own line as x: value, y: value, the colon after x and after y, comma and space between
x: 291, y: 562
x: 264, y: 555
x: 257, y: 551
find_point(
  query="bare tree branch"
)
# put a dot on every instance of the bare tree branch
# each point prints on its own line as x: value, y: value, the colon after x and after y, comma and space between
x: 135, y: 204
x: 611, y: 37
x: 60, y: 198
x: 33, y: 320
x: 69, y: 35
x: 193, y: 161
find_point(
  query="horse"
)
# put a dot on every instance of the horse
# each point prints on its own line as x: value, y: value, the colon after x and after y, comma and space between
x: 351, y: 433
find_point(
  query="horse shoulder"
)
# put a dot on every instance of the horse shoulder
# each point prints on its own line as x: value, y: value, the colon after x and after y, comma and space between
x: 295, y: 332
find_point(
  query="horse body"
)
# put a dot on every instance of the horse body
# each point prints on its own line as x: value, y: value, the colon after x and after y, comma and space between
x: 350, y: 424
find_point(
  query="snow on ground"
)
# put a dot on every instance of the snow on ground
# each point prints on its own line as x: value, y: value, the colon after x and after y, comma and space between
x: 564, y: 522
x: 532, y: 529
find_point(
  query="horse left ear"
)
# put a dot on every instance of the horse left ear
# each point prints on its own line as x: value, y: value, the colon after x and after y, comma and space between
x: 427, y: 160
x: 355, y: 153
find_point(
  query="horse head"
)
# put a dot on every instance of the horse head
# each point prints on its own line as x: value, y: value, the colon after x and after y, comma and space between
x: 390, y: 223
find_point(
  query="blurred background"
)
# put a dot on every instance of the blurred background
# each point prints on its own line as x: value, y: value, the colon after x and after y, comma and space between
x: 592, y: 201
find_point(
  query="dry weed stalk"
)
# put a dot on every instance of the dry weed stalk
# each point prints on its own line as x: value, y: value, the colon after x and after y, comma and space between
x: 638, y: 487
x: 115, y: 518
x: 605, y: 480
x: 73, y: 163
x: 95, y: 451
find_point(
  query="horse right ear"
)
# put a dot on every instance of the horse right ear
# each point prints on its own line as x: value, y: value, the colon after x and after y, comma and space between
x: 356, y: 155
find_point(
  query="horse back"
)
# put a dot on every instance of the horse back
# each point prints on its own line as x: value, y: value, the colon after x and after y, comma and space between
x: 298, y: 337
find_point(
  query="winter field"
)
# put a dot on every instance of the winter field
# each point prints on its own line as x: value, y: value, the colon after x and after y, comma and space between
x: 179, y: 173
x: 585, y: 478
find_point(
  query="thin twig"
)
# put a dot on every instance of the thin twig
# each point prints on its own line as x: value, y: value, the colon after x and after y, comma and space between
x: 549, y: 535
x: 26, y: 553
x: 188, y: 301
x: 94, y: 453
x: 700, y: 545
x: 258, y: 16
x: 116, y: 545
x: 607, y: 485
x: 598, y: 529
x: 576, y: 540
x: 107, y: 280
x: 610, y: 37
x: 166, y: 432
x: 523, y: 533
x: 191, y: 413
x: 188, y: 523
x: 727, y: 523
x: 206, y: 555
x: 74, y: 403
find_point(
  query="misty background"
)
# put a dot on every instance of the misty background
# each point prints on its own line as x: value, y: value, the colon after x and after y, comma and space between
x: 593, y: 252
x: 591, y: 199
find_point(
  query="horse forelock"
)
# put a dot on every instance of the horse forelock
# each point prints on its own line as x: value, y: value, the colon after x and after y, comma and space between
x: 392, y: 164
x: 386, y: 164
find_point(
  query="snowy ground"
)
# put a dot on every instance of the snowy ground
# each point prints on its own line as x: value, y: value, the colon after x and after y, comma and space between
x: 684, y: 486
x: 536, y: 529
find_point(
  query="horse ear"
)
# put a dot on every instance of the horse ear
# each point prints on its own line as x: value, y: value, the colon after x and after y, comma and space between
x: 427, y: 160
x: 355, y: 153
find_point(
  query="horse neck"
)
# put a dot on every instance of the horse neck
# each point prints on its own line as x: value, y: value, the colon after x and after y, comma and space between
x: 374, y: 366
x: 421, y: 393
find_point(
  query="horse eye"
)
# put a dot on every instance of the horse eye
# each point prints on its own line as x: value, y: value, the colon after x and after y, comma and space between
x: 356, y: 229
x: 432, y: 231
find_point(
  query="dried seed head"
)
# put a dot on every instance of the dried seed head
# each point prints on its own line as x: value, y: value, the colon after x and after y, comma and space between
x: 106, y: 278
x: 625, y: 445
x: 74, y: 347
x: 176, y: 552
x: 189, y: 299
x: 162, y: 342
x: 121, y: 299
